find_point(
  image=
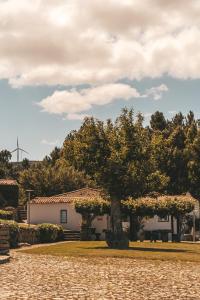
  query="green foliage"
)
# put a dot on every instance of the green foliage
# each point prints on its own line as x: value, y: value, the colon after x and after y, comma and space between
x: 89, y: 209
x: 49, y: 233
x: 9, y: 195
x: 5, y: 165
x: 6, y: 215
x: 94, y: 206
x: 47, y: 179
x: 123, y: 157
x: 165, y: 205
x: 129, y: 160
x: 13, y: 231
x: 158, y: 121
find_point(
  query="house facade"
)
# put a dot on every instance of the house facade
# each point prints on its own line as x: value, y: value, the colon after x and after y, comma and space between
x: 59, y: 209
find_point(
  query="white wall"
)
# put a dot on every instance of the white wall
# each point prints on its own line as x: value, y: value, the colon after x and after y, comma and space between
x: 154, y: 224
x: 50, y: 213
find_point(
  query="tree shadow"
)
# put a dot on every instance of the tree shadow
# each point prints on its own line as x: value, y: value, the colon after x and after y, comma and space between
x: 144, y: 249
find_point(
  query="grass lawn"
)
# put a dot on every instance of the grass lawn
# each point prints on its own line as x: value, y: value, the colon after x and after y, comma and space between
x: 146, y: 250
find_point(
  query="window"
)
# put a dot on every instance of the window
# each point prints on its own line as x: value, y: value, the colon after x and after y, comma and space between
x: 63, y: 216
x: 165, y: 219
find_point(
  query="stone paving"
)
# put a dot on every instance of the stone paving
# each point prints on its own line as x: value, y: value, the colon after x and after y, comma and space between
x: 46, y: 277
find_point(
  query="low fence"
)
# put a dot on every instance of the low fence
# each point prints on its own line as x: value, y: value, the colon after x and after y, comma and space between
x: 4, y: 239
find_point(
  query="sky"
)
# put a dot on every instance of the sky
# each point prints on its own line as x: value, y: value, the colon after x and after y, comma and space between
x: 62, y: 60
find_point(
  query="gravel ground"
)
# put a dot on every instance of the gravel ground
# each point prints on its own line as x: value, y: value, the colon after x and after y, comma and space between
x: 46, y: 277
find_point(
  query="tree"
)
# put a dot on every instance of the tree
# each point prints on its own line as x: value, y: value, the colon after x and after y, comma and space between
x: 51, y: 180
x: 53, y: 157
x: 158, y: 121
x: 117, y: 156
x: 175, y: 206
x: 5, y: 165
x: 89, y: 210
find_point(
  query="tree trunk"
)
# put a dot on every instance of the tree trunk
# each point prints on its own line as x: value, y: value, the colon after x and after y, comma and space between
x: 86, y: 234
x: 178, y: 229
x: 172, y: 227
x: 116, y: 238
x: 133, y: 228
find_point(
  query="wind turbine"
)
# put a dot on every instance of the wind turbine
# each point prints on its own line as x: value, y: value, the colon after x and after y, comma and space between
x: 18, y: 149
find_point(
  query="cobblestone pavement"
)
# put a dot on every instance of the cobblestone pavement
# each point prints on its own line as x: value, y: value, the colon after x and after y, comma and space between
x: 46, y: 277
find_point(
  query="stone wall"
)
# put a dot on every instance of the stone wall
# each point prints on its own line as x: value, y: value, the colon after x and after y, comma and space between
x: 28, y: 235
x: 4, y: 239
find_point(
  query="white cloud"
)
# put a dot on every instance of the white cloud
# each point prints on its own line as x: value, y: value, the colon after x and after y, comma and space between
x: 49, y: 143
x: 98, y: 42
x: 156, y: 92
x: 73, y: 102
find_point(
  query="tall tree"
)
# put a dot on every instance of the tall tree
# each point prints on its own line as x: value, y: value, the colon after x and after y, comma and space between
x: 158, y: 121
x: 117, y: 156
x: 5, y: 165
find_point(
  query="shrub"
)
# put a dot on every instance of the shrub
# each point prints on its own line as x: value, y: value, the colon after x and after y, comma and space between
x: 60, y: 236
x: 13, y: 231
x: 6, y: 215
x: 49, y: 233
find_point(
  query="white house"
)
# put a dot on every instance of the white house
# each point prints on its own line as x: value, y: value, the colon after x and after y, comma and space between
x: 60, y: 210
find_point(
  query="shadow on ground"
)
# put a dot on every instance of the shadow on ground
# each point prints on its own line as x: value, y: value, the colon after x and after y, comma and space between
x: 142, y: 249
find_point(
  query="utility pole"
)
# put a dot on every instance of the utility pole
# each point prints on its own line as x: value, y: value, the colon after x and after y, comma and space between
x: 28, y: 206
x: 194, y: 231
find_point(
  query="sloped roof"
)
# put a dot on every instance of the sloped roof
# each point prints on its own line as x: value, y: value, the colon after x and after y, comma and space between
x: 84, y: 192
x: 69, y: 197
x: 50, y: 200
x: 8, y: 182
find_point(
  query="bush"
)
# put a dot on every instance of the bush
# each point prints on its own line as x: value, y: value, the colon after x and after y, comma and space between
x: 14, y: 232
x: 49, y: 233
x: 6, y: 215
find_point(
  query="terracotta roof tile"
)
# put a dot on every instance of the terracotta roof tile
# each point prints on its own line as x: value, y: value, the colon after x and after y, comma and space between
x: 49, y: 200
x: 84, y: 192
x: 69, y: 197
x: 8, y: 182
x: 56, y: 200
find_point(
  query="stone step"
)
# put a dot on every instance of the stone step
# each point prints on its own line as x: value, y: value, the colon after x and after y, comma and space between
x: 71, y: 235
x: 22, y: 214
x: 71, y: 239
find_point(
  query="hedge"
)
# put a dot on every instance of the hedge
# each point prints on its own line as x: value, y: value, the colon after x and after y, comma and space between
x: 6, y: 215
x: 49, y: 233
x: 14, y: 232
x: 43, y: 233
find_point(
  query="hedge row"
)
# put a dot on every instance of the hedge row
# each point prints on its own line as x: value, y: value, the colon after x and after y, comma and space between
x: 46, y: 233
x: 6, y: 215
